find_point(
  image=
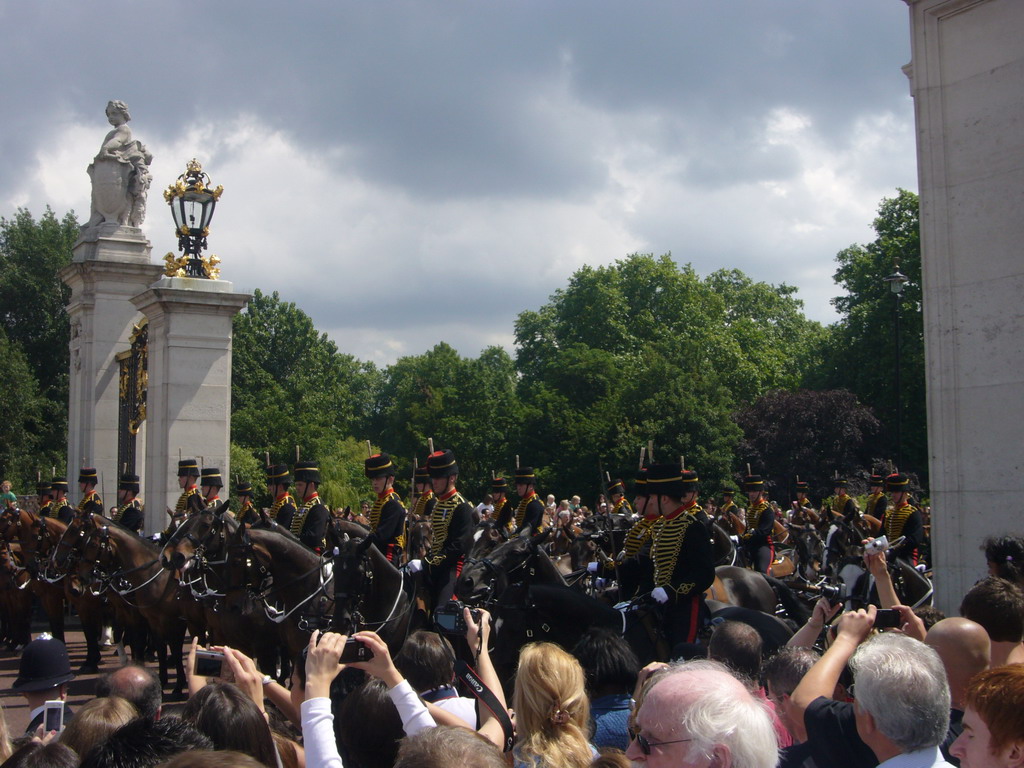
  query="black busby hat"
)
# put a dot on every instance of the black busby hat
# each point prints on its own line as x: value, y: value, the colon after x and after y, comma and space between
x: 640, y: 484
x: 243, y: 489
x: 59, y: 484
x: 690, y: 480
x: 728, y: 491
x: 897, y: 482
x: 379, y: 465
x: 499, y: 485
x: 278, y: 474
x: 442, y: 464
x: 665, y: 480
x: 88, y: 475
x: 128, y: 482
x: 615, y: 486
x: 188, y: 468
x: 876, y: 479
x: 421, y: 475
x: 307, y: 472
x: 44, y: 664
x: 753, y: 483
x: 43, y: 487
x: 802, y: 486
x: 525, y: 475
x: 211, y: 477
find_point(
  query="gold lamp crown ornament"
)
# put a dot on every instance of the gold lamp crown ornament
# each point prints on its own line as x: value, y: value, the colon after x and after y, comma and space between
x: 192, y: 200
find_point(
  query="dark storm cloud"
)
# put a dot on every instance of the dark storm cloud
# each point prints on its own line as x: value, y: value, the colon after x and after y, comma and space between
x: 497, y: 144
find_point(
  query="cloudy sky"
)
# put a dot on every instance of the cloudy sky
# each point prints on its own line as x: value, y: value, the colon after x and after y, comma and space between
x: 412, y: 172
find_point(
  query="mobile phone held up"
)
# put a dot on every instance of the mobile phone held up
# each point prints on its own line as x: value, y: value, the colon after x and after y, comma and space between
x: 355, y: 651
x: 53, y: 716
x: 887, y: 618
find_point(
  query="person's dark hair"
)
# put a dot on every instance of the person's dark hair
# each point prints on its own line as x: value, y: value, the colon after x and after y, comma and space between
x: 784, y: 671
x: 137, y: 685
x: 445, y: 746
x: 34, y: 755
x: 427, y: 661
x: 232, y: 721
x: 998, y: 605
x: 145, y: 743
x: 368, y: 726
x: 1005, y: 555
x: 929, y: 614
x: 738, y: 646
x: 218, y: 759
x: 609, y: 664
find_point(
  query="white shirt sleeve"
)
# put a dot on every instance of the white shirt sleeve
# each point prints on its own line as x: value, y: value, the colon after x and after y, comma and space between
x: 318, y: 734
x: 411, y: 709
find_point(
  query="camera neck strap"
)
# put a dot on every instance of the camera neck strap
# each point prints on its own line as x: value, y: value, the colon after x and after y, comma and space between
x: 486, y: 697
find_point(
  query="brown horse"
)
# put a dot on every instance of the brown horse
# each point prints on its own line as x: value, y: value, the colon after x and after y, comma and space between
x: 15, y: 599
x: 126, y: 569
x: 37, y: 539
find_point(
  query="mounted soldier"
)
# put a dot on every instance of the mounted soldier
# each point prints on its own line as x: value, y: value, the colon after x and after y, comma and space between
x: 681, y: 552
x: 423, y: 494
x: 451, y: 523
x: 310, y: 522
x: 90, y: 503
x: 803, y: 514
x: 876, y: 504
x: 45, y: 499
x: 247, y: 513
x: 903, y: 519
x: 503, y: 510
x: 210, y: 483
x: 387, y: 515
x: 61, y: 507
x: 283, y: 509
x: 759, y: 521
x: 616, y: 490
x: 530, y: 511
x: 129, y: 511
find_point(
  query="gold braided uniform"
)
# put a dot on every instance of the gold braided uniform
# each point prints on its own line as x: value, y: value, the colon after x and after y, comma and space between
x: 872, y: 504
x: 90, y: 502
x: 440, y: 520
x: 420, y: 508
x: 895, y: 519
x: 285, y: 498
x: 639, y: 534
x: 388, y: 496
x: 300, y: 514
x: 524, y: 504
x: 622, y: 507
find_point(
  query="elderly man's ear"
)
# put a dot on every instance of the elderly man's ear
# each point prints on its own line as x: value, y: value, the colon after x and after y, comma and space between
x: 721, y: 757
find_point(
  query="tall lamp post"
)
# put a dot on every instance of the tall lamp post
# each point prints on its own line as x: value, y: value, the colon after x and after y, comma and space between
x: 192, y: 201
x: 896, y: 281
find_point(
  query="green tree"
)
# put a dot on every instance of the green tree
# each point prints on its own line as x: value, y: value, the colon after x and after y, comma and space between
x: 645, y: 349
x: 290, y: 384
x: 467, y: 404
x: 858, y: 353
x: 22, y: 414
x: 32, y: 314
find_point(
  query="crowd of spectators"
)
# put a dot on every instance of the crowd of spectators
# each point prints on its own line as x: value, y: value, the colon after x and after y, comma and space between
x: 932, y: 691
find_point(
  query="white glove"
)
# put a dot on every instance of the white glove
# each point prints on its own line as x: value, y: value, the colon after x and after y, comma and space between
x: 659, y: 594
x: 621, y: 556
x: 414, y: 566
x: 599, y: 583
x: 735, y: 539
x: 592, y: 567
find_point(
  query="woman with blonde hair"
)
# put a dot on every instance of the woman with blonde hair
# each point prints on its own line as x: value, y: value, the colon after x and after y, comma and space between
x: 552, y: 710
x: 95, y: 721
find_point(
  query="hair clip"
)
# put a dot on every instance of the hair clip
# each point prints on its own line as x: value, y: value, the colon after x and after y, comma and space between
x: 1009, y: 558
x: 560, y: 717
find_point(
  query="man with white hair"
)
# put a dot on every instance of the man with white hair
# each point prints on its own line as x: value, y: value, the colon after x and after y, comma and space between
x: 901, y: 701
x: 690, y: 717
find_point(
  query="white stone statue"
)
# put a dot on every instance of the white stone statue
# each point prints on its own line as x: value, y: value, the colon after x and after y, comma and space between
x: 120, y: 174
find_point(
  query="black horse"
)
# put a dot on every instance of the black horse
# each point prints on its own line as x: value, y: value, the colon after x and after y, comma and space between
x: 370, y: 593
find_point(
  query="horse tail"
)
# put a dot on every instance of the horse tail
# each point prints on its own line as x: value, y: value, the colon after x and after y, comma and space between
x: 795, y: 608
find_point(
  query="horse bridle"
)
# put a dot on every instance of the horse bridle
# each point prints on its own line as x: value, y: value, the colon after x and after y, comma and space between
x: 498, y: 574
x: 101, y: 579
x: 266, y: 585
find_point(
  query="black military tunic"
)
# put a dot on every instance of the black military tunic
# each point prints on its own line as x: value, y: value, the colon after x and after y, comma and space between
x: 530, y: 512
x: 283, y: 510
x: 310, y: 523
x: 387, y: 525
x: 451, y: 522
x: 131, y: 516
x: 684, y: 567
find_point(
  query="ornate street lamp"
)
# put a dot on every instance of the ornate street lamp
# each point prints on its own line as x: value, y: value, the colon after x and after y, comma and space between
x: 896, y: 281
x: 192, y: 202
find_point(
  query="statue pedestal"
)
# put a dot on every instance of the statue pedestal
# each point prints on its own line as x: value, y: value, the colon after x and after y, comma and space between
x: 106, y: 272
x: 189, y: 399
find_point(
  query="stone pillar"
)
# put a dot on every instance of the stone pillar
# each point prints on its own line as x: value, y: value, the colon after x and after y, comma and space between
x: 966, y: 75
x: 188, y: 405
x: 109, y: 267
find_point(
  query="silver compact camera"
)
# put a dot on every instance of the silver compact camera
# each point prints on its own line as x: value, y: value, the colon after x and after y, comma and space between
x: 881, y: 544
